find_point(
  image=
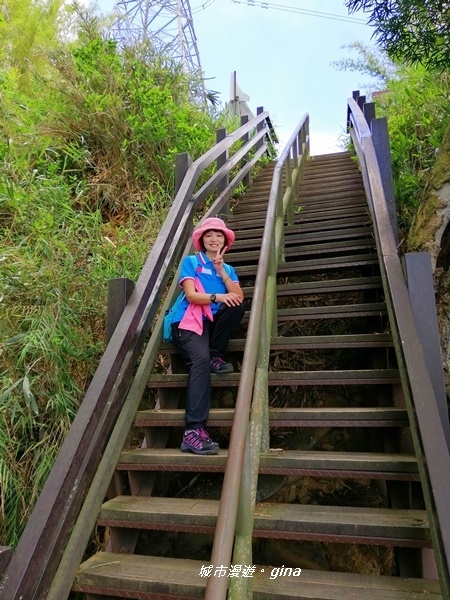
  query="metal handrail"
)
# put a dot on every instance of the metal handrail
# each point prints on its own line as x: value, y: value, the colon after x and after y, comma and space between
x: 240, y: 482
x: 34, y: 563
x: 426, y: 426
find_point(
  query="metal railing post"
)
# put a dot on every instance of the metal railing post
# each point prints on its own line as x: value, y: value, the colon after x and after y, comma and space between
x: 369, y: 112
x: 290, y: 211
x: 260, y: 126
x: 119, y: 292
x: 182, y: 163
x: 294, y: 161
x: 221, y: 134
x: 245, y: 138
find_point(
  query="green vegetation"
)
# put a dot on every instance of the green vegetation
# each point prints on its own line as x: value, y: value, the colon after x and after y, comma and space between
x: 412, y: 31
x: 415, y: 103
x: 415, y: 34
x: 89, y: 137
x: 417, y: 109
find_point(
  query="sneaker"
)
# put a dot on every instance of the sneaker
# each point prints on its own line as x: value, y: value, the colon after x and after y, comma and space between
x: 218, y: 365
x: 198, y: 442
x: 205, y: 437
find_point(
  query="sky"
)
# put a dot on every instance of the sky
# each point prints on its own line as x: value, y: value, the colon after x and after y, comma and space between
x: 282, y: 58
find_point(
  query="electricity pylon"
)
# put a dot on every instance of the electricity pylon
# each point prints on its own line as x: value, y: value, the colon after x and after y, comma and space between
x: 167, y: 24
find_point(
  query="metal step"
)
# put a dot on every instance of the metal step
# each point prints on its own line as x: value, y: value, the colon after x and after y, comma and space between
x: 286, y: 417
x: 333, y: 173
x: 154, y: 578
x: 331, y: 199
x: 341, y: 198
x: 306, y: 216
x: 362, y: 340
x: 323, y: 286
x: 325, y: 193
x: 351, y: 525
x: 349, y: 465
x: 355, y: 377
x: 316, y: 313
x: 300, y: 266
x: 300, y: 238
x: 332, y: 224
x: 258, y: 206
x: 300, y: 223
x: 310, y: 210
x: 257, y: 219
x: 331, y: 312
x: 345, y: 178
x: 307, y: 249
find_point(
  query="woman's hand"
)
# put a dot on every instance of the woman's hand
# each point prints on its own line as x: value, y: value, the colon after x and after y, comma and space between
x: 218, y: 262
x: 230, y: 298
x: 234, y: 295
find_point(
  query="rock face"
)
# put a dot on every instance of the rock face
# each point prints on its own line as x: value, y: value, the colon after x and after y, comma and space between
x: 430, y: 232
x: 442, y: 285
x: 430, y: 222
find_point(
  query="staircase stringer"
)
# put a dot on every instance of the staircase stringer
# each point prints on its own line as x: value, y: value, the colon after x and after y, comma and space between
x: 428, y: 435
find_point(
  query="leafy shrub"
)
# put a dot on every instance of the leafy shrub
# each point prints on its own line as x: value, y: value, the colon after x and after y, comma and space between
x: 415, y: 103
x: 417, y: 109
x: 125, y: 121
x: 89, y: 136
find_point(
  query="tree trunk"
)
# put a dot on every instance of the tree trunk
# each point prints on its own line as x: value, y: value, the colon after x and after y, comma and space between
x: 430, y: 232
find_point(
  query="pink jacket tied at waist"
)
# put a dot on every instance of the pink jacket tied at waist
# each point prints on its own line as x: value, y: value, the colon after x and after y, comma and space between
x: 193, y: 317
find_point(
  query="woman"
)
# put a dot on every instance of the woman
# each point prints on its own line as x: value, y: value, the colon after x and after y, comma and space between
x: 204, y: 323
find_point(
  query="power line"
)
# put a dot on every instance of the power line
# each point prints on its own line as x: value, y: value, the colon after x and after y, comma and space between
x: 203, y: 6
x: 303, y: 11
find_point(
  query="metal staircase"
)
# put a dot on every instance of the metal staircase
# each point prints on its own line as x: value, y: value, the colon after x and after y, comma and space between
x: 330, y: 482
x: 358, y: 366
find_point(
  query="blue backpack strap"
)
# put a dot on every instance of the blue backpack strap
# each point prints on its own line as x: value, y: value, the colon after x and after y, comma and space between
x: 194, y: 260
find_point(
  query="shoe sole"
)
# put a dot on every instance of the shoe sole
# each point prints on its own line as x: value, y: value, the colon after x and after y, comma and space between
x: 185, y: 448
x: 223, y: 372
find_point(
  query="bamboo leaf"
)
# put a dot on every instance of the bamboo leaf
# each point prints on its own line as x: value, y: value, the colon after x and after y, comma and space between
x: 15, y: 339
x: 30, y: 400
x: 7, y: 392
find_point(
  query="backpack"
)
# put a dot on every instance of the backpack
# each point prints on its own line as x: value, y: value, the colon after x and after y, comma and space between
x: 168, y: 317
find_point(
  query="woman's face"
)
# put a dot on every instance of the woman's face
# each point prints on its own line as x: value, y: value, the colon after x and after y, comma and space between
x: 213, y: 240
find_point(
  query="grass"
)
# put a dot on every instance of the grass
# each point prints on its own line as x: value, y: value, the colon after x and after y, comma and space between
x: 55, y: 263
x: 89, y: 139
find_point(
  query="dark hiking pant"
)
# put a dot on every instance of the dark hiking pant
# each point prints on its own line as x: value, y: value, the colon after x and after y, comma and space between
x: 197, y: 351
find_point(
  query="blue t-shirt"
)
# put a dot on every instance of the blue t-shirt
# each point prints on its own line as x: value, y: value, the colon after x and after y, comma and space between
x: 211, y: 281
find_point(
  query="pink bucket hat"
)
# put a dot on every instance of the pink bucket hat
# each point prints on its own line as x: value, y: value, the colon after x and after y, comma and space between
x: 208, y: 224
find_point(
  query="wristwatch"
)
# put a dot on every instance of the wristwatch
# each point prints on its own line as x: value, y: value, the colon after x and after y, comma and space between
x: 212, y: 298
